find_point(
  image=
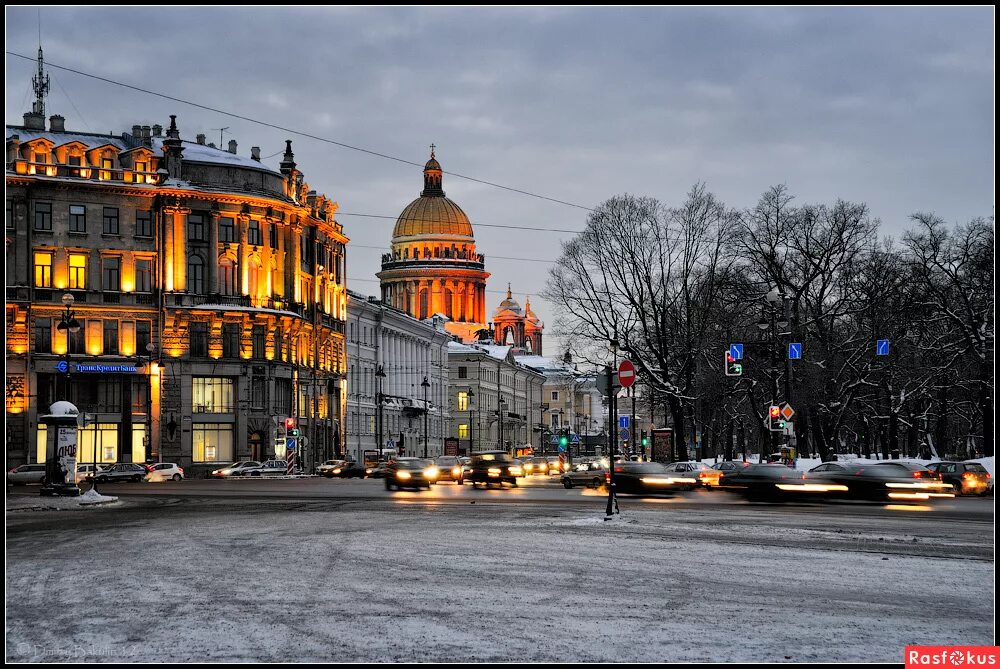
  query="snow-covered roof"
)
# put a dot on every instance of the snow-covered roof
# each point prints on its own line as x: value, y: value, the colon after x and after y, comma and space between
x: 88, y: 139
x: 498, y: 352
x: 203, y: 153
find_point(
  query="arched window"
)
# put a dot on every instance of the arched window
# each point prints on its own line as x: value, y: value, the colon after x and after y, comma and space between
x: 508, y: 337
x: 527, y: 344
x: 227, y: 277
x: 196, y: 275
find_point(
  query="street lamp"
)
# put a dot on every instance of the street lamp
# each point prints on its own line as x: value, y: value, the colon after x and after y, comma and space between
x: 775, y: 322
x: 472, y: 435
x: 425, y: 385
x: 379, y: 375
x: 150, y: 350
x: 68, y: 325
x: 500, y: 411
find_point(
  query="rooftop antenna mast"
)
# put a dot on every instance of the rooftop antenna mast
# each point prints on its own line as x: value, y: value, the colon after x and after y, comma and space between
x: 40, y: 82
x: 221, y: 130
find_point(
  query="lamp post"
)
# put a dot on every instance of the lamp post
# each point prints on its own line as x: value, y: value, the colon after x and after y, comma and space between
x: 68, y: 325
x: 612, y: 423
x: 379, y: 375
x: 500, y: 410
x: 425, y: 385
x: 472, y: 435
x: 148, y: 436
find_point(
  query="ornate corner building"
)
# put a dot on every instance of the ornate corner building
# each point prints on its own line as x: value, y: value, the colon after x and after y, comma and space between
x: 433, y: 267
x: 187, y: 297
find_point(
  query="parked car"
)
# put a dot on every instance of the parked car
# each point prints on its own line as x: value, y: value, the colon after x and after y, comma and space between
x: 235, y: 469
x: 450, y: 467
x: 123, y: 471
x: 492, y: 467
x: 965, y: 478
x: 589, y: 474
x: 879, y: 482
x: 646, y: 478
x: 410, y: 473
x: 696, y: 470
x: 269, y: 468
x: 774, y: 482
x: 86, y: 472
x: 326, y: 469
x: 34, y: 473
x: 164, y: 471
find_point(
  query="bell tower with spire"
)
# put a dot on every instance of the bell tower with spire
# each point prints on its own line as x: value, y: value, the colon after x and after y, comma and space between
x: 517, y: 327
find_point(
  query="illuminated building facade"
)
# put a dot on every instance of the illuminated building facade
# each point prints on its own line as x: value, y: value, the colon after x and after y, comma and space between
x: 209, y: 290
x: 433, y: 267
x: 517, y: 327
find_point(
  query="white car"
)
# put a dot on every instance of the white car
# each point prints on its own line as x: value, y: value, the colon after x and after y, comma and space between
x: 235, y: 469
x: 165, y: 471
x: 86, y: 472
x: 269, y: 468
x: 328, y: 467
x: 34, y: 473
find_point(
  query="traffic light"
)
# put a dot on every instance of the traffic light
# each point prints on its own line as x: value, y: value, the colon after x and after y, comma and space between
x: 775, y: 423
x: 645, y: 439
x: 733, y: 366
x: 563, y: 442
x: 289, y: 424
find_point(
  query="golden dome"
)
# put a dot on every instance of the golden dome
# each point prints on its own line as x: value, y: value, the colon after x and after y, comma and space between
x: 432, y: 213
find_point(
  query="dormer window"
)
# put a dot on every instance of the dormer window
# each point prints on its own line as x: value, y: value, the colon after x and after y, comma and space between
x: 106, y: 166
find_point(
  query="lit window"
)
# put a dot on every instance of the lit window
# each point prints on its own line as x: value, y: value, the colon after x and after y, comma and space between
x: 463, y: 401
x: 211, y: 442
x: 43, y: 270
x: 77, y: 271
x: 463, y: 431
x: 211, y: 394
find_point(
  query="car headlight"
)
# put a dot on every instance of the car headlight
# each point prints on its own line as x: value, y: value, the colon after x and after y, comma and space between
x: 456, y: 471
x: 432, y: 472
x: 403, y: 474
x: 336, y: 471
x: 369, y: 470
x: 516, y: 471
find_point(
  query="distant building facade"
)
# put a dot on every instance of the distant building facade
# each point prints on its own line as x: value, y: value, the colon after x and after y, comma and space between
x: 517, y: 327
x: 406, y: 351
x: 208, y: 297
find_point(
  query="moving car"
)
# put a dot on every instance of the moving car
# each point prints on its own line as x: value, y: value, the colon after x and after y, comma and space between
x: 34, y: 473
x: 235, y: 469
x: 536, y: 466
x: 650, y: 478
x: 493, y: 467
x: 716, y: 471
x: 269, y: 468
x: 165, y: 471
x: 585, y: 474
x: 86, y: 472
x: 348, y: 470
x: 123, y: 471
x: 450, y: 467
x: 699, y: 471
x: 879, y: 482
x: 773, y: 482
x: 965, y: 478
x: 410, y: 473
x: 326, y: 469
x: 917, y: 470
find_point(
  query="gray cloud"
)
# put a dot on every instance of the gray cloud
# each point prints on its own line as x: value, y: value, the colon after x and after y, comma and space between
x: 893, y: 107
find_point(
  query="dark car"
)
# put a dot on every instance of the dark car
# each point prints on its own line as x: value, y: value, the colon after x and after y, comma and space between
x: 123, y: 471
x: 772, y: 482
x: 586, y: 474
x: 410, y: 473
x: 348, y: 470
x: 649, y: 478
x: 917, y: 470
x: 378, y: 470
x: 491, y: 467
x: 450, y: 467
x: 965, y: 478
x: 879, y: 482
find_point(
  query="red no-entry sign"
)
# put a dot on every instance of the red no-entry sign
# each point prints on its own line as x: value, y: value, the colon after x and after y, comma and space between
x: 626, y: 373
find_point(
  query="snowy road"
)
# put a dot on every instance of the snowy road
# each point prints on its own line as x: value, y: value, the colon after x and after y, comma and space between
x: 227, y: 578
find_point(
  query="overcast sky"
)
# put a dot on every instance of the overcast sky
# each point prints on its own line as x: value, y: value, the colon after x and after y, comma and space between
x: 892, y: 107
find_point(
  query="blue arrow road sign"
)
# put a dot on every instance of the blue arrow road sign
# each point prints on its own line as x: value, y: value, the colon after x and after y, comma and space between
x: 882, y: 347
x: 794, y: 351
x: 624, y: 434
x: 290, y: 443
x: 623, y: 422
x: 736, y: 351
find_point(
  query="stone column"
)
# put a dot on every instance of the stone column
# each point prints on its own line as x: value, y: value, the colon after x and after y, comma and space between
x: 293, y: 261
x: 243, y: 287
x: 177, y: 268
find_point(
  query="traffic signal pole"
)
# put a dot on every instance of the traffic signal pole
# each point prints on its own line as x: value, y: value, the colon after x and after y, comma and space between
x: 612, y: 444
x: 635, y: 428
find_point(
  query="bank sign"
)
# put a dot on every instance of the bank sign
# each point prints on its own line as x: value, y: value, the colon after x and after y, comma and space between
x: 64, y: 367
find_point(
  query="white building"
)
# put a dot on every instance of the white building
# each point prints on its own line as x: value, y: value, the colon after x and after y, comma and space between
x: 406, y: 360
x: 570, y: 402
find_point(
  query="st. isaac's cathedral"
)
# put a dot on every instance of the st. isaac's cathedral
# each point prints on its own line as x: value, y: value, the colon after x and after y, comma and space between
x: 434, y: 269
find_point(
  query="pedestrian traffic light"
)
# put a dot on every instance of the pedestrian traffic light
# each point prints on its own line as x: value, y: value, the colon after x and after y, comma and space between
x: 733, y: 366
